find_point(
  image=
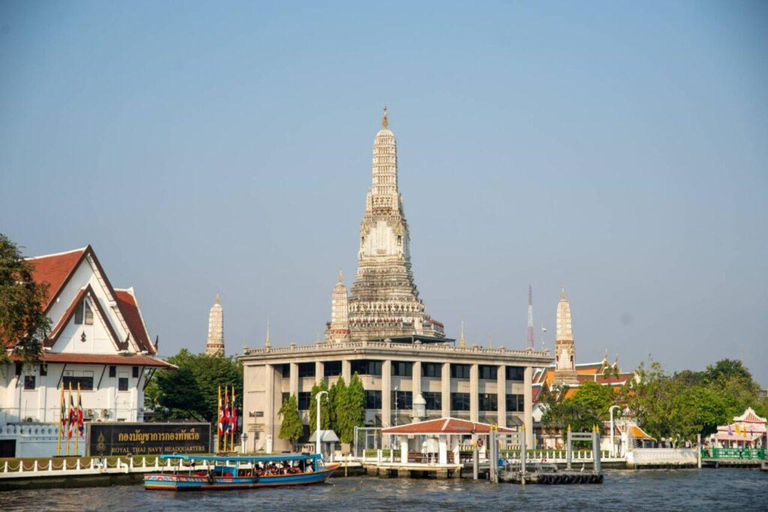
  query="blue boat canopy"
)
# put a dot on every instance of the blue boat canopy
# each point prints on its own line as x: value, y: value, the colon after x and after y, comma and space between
x: 246, y: 458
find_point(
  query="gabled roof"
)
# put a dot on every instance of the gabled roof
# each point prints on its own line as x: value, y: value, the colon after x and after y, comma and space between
x: 56, y: 269
x: 638, y: 433
x: 110, y: 359
x: 129, y: 307
x: 444, y: 426
x: 749, y: 416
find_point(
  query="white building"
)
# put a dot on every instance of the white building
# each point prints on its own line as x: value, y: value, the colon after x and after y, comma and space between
x: 98, y: 339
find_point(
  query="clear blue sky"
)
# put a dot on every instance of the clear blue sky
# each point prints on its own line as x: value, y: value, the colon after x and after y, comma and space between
x: 617, y: 148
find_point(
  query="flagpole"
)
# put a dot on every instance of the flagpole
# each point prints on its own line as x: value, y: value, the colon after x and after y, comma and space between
x: 234, y: 423
x: 226, y: 420
x: 69, y: 426
x: 218, y: 425
x: 61, y: 407
x: 77, y: 414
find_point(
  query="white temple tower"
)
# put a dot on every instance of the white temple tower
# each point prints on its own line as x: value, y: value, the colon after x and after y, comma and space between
x: 215, y: 343
x: 384, y: 301
x: 565, y: 357
x: 338, y: 328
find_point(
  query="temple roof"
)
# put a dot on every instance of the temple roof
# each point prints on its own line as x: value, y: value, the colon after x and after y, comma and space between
x: 444, y: 426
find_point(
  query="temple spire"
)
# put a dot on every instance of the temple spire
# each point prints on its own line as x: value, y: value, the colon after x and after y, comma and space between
x: 341, y: 276
x: 384, y: 118
x: 565, y: 364
x: 462, y: 340
x: 267, y: 342
x: 215, y: 342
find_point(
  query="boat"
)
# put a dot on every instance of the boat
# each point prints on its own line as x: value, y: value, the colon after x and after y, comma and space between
x: 222, y: 472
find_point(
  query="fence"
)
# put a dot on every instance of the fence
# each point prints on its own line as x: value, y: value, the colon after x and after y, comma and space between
x: 733, y: 453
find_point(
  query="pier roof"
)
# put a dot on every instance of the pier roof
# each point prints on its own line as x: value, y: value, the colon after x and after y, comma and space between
x: 444, y: 426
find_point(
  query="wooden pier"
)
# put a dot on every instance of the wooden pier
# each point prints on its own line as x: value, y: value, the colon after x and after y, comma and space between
x: 414, y: 470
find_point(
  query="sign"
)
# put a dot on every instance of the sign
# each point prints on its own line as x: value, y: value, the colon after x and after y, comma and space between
x: 106, y: 439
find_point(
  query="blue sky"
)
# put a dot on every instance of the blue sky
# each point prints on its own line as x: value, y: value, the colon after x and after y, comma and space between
x: 618, y: 149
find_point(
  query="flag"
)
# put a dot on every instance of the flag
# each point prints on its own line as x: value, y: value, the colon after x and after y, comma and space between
x: 225, y: 422
x: 63, y: 414
x: 72, y: 416
x: 221, y: 416
x: 80, y: 424
x: 233, y: 418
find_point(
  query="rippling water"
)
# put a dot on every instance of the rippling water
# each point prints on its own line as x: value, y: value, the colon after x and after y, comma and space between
x: 708, y: 489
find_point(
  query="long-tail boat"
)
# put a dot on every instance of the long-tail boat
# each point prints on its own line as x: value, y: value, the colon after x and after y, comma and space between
x: 194, y: 472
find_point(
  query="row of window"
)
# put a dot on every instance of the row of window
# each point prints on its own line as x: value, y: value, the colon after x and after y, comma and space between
x: 404, y: 369
x: 459, y: 401
x: 85, y: 380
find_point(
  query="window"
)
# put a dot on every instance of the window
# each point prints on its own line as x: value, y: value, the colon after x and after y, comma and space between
x: 135, y: 372
x: 29, y: 382
x: 365, y: 367
x: 84, y: 314
x: 306, y: 369
x: 332, y: 368
x: 122, y: 384
x: 459, y: 401
x: 489, y: 402
x: 431, y: 370
x: 402, y: 400
x: 373, y: 399
x: 402, y: 369
x: 434, y: 400
x: 284, y: 369
x: 459, y: 371
x: 304, y: 399
x: 19, y: 366
x: 113, y: 371
x: 488, y: 372
x: 515, y: 372
x: 515, y: 403
x: 85, y: 381
x: 285, y: 398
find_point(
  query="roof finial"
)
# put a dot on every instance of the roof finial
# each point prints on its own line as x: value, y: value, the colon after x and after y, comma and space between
x: 562, y: 293
x: 341, y: 276
x: 462, y: 341
x: 216, y: 300
x: 384, y: 119
x: 267, y: 342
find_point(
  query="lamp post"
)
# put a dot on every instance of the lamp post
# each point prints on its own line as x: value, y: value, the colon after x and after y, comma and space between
x: 317, y: 430
x: 613, y: 446
x: 395, y: 405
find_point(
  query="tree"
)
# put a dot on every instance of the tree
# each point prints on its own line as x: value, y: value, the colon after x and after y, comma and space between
x: 336, y: 396
x: 291, y: 427
x: 595, y: 398
x: 351, y: 412
x: 181, y: 394
x: 325, y: 414
x: 209, y: 373
x: 23, y: 322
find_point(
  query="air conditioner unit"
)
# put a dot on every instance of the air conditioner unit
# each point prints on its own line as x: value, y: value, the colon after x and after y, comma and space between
x: 105, y: 413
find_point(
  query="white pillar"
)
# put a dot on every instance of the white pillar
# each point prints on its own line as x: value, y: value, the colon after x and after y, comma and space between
x: 474, y: 389
x: 346, y: 370
x: 386, y: 392
x: 416, y: 379
x: 294, y: 389
x: 528, y: 406
x: 319, y: 371
x: 442, y: 450
x: 501, y: 384
x: 445, y: 386
x: 403, y: 449
x: 270, y: 414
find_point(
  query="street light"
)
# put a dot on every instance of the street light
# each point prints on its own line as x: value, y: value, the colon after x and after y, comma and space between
x: 317, y: 430
x: 613, y: 446
x: 395, y: 405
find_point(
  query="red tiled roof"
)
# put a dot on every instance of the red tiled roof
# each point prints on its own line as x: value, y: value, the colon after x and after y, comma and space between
x: 55, y: 270
x: 126, y: 301
x: 113, y: 359
x: 444, y: 426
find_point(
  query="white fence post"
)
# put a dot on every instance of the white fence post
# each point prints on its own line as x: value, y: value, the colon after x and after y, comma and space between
x: 34, y: 467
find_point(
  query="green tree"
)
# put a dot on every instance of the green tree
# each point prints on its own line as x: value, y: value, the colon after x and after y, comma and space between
x: 325, y: 414
x: 336, y: 397
x: 23, y: 322
x: 351, y: 412
x: 181, y: 395
x: 595, y: 398
x: 291, y: 427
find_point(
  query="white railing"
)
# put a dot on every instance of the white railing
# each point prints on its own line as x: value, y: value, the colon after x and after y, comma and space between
x: 659, y: 456
x: 405, y: 347
x: 51, y: 467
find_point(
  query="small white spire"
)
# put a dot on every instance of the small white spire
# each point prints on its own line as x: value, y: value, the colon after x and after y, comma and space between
x: 267, y: 342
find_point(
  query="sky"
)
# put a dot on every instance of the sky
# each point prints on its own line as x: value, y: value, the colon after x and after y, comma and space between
x: 617, y: 149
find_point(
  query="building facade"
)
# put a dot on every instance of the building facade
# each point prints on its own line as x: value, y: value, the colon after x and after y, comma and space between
x: 381, y: 331
x: 99, y: 340
x: 486, y: 385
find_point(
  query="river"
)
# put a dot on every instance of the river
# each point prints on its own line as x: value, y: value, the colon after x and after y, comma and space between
x: 708, y: 489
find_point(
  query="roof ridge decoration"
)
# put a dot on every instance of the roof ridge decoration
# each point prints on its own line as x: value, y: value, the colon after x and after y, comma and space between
x: 81, y: 249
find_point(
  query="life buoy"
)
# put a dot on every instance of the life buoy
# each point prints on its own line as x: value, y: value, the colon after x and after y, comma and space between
x: 480, y: 443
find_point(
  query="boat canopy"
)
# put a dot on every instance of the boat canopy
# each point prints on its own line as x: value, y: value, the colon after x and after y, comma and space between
x: 247, y: 458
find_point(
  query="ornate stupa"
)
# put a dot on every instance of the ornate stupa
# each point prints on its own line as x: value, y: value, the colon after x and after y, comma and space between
x: 215, y: 343
x: 338, y: 328
x: 384, y: 301
x: 565, y: 357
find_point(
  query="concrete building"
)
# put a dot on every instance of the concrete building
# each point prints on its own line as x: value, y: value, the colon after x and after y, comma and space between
x: 98, y: 339
x: 383, y: 333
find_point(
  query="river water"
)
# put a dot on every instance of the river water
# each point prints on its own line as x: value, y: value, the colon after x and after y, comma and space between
x: 743, y: 490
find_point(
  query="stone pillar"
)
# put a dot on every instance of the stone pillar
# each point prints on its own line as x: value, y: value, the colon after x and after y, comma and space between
x: 442, y: 450
x: 270, y: 414
x: 386, y: 392
x: 528, y: 406
x: 294, y: 389
x: 346, y: 370
x: 416, y: 379
x: 403, y: 449
x: 474, y: 389
x: 445, y: 385
x: 501, y: 384
x: 319, y: 371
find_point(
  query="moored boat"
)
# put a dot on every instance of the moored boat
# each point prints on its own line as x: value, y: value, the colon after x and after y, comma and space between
x: 240, y: 472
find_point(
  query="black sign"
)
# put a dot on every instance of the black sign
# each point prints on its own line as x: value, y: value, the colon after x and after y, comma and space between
x: 147, y: 438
